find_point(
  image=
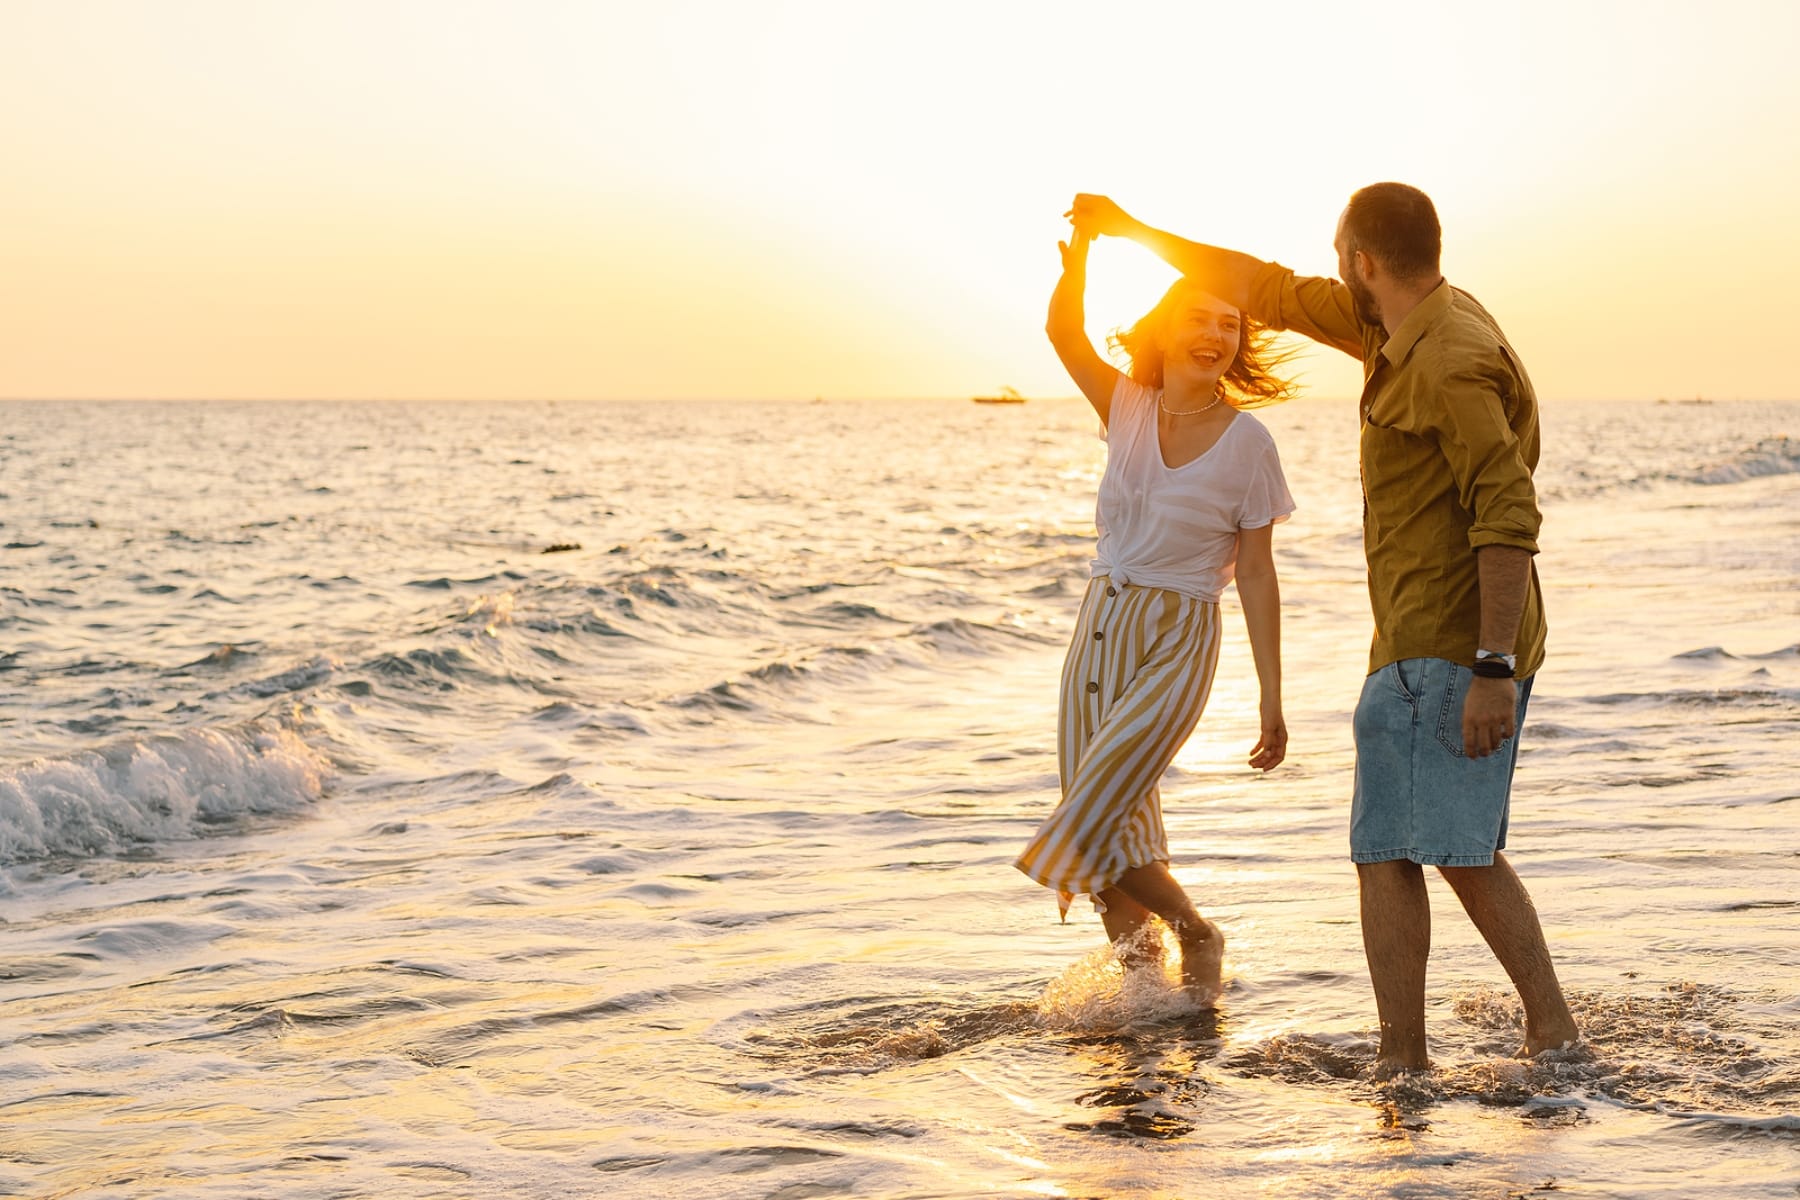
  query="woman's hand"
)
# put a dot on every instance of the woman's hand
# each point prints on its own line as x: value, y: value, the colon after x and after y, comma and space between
x: 1067, y: 327
x: 1075, y: 250
x: 1272, y: 749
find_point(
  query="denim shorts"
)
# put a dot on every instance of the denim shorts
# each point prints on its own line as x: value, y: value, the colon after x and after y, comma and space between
x: 1418, y: 796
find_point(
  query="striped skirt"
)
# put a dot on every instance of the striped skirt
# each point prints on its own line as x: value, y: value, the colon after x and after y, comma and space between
x: 1135, y: 682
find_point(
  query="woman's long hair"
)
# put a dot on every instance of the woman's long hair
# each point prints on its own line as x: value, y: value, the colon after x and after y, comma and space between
x: 1249, y: 382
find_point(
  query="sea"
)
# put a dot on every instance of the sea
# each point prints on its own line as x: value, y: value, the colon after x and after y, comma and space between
x: 619, y: 799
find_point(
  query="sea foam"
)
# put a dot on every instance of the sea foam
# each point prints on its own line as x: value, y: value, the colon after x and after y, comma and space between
x: 1771, y: 456
x: 168, y: 787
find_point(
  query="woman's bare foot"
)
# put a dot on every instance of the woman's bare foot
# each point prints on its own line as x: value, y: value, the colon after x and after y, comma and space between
x: 1202, y: 961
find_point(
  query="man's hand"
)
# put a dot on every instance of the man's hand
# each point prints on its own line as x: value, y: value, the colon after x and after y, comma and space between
x: 1099, y: 216
x: 1273, y: 747
x: 1489, y: 711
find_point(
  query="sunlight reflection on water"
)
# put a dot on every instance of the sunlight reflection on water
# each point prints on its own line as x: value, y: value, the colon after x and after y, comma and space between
x: 686, y: 868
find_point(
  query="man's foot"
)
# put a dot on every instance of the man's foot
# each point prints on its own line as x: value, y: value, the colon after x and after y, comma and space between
x: 1560, y: 1036
x: 1385, y: 1068
x: 1202, y: 961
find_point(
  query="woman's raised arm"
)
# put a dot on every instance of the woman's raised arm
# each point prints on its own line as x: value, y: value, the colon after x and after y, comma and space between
x: 1067, y: 327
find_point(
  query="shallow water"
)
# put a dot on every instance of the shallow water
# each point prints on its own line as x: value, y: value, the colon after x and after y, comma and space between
x: 353, y: 845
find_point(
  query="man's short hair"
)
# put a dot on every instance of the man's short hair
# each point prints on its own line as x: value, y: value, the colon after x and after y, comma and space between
x: 1397, y: 226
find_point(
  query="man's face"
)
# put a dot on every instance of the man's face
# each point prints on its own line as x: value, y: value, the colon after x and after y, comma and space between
x: 1367, y: 310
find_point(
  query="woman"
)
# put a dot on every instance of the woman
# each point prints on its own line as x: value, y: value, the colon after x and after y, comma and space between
x: 1190, y: 496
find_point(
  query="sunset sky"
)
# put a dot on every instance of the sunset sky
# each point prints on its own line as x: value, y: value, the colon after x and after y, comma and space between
x: 546, y: 198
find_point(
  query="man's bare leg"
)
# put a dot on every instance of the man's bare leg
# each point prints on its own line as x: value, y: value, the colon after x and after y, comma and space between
x: 1496, y: 900
x: 1396, y: 928
x: 1128, y: 926
x: 1202, y: 944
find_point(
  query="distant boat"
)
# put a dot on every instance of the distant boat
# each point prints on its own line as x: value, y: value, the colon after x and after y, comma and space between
x: 1006, y: 396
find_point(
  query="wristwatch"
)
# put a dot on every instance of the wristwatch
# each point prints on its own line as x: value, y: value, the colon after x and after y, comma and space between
x: 1491, y: 664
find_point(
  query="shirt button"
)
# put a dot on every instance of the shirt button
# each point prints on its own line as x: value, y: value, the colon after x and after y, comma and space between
x: 1092, y: 688
x: 1098, y: 635
x: 1112, y: 591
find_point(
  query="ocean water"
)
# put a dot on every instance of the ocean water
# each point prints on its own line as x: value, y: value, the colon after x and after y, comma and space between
x: 417, y: 800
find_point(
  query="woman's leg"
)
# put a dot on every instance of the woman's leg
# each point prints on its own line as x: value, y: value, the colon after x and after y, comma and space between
x: 1202, y: 944
x: 1122, y: 721
x: 1128, y: 928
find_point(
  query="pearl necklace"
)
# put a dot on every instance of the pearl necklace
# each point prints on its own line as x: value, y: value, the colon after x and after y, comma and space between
x: 1163, y: 403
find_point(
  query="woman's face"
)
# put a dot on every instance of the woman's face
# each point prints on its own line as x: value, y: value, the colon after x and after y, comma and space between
x: 1202, y: 339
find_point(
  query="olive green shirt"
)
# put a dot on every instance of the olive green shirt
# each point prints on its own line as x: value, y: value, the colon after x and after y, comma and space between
x: 1449, y: 442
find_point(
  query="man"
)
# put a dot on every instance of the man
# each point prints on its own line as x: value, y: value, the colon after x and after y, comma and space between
x: 1450, y: 523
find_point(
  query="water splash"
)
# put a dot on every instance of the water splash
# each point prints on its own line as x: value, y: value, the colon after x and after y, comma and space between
x: 1099, y: 994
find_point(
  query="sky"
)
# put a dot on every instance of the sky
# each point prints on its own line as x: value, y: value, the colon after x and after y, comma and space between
x: 857, y: 198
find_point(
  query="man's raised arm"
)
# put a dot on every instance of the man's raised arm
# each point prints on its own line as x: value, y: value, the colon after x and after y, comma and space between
x: 1321, y: 309
x: 1225, y: 273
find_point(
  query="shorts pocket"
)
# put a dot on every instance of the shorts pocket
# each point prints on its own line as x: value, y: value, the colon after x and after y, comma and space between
x: 1449, y: 723
x: 1409, y: 689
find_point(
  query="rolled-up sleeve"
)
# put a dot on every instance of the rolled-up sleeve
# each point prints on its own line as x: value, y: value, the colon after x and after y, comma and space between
x: 1487, y: 462
x: 1320, y: 308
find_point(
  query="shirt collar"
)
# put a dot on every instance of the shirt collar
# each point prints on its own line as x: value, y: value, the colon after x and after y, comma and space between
x: 1427, y: 311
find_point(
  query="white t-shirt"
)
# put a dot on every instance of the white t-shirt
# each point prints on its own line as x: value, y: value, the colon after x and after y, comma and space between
x: 1177, y: 528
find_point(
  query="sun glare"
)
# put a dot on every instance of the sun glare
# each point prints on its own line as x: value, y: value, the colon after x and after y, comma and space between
x: 415, y: 198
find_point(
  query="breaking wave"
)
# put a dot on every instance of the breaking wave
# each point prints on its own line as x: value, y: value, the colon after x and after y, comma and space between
x: 164, y: 788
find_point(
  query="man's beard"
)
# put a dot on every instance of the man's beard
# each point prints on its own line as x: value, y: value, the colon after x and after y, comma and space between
x: 1366, y: 310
